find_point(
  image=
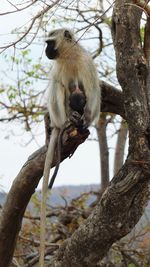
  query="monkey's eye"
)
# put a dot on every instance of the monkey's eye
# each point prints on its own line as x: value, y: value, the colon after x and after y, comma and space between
x: 67, y: 35
x: 52, y: 33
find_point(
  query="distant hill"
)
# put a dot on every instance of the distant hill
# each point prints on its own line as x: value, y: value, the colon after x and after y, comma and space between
x: 57, y: 194
x: 60, y: 194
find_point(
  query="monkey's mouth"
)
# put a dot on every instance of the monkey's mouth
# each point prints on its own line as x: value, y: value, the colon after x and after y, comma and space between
x: 51, y: 51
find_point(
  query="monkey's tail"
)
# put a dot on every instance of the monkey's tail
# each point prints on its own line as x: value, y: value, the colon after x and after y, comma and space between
x: 59, y: 148
x: 47, y: 167
x: 59, y: 145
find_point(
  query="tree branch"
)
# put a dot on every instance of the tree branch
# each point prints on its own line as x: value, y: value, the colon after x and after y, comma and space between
x: 131, y: 63
x: 143, y: 4
x: 17, y: 9
x: 112, y: 100
x: 34, y: 19
x: 115, y: 215
x: 22, y: 189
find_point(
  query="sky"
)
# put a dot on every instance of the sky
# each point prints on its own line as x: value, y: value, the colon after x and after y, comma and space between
x: 82, y: 168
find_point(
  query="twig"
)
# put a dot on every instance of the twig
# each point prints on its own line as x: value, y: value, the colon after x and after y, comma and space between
x: 38, y: 15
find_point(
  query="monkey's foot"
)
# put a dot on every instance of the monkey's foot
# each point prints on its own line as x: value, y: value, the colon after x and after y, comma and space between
x: 77, y: 120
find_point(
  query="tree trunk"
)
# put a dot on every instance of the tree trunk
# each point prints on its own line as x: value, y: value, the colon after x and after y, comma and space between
x: 103, y: 150
x: 120, y: 147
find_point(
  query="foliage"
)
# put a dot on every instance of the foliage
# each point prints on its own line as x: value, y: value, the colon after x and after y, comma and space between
x: 21, y: 97
x: 63, y: 219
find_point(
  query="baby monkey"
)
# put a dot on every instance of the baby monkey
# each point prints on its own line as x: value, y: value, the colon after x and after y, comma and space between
x: 73, y: 97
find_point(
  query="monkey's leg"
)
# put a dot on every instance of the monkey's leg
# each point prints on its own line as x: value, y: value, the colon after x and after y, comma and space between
x: 47, y: 167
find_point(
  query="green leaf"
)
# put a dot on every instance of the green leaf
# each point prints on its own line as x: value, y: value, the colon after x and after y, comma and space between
x: 2, y: 90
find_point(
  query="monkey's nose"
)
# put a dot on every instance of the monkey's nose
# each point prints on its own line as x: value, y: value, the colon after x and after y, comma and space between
x: 50, y: 50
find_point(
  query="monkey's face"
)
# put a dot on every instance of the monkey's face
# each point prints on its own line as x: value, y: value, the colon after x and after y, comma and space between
x: 57, y: 40
x: 51, y: 51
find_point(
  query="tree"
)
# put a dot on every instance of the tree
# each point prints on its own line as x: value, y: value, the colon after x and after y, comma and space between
x: 124, y: 199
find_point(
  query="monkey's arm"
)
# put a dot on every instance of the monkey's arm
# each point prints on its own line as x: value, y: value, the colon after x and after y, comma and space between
x: 56, y: 104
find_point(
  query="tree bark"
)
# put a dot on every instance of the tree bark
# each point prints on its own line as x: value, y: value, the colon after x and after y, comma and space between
x: 114, y: 216
x: 112, y: 100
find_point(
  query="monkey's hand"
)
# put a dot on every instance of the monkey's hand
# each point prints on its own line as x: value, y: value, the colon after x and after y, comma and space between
x: 78, y: 120
x: 75, y: 118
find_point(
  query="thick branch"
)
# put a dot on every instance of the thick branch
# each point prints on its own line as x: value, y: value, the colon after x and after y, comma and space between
x: 143, y: 4
x: 115, y: 215
x: 21, y: 191
x: 112, y: 100
x: 131, y: 63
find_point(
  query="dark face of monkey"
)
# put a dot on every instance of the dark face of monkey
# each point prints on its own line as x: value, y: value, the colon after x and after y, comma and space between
x: 52, y: 51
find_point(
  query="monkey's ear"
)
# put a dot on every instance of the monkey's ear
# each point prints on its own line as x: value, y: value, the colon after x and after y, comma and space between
x: 67, y: 35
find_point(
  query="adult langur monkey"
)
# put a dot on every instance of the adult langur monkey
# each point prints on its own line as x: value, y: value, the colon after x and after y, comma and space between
x: 74, y: 85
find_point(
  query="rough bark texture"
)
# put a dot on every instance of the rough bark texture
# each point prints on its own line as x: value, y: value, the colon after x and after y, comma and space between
x: 114, y: 216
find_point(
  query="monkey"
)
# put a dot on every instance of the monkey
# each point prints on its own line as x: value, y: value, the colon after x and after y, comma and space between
x: 73, y: 97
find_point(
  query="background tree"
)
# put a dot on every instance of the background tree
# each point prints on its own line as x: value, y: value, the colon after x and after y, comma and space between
x: 121, y: 205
